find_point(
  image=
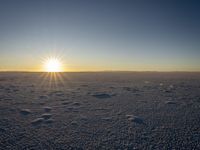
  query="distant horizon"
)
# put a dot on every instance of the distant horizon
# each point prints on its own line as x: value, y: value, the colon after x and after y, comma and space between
x: 106, y: 71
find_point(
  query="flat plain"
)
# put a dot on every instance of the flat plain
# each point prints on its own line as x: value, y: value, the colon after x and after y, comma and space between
x: 102, y: 110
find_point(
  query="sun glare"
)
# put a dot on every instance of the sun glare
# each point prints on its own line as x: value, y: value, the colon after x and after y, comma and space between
x: 53, y: 65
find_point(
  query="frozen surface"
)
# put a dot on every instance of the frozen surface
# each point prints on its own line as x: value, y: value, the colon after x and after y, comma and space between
x: 100, y: 111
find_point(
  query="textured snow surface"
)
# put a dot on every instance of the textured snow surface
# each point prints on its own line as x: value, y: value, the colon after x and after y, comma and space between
x: 100, y: 111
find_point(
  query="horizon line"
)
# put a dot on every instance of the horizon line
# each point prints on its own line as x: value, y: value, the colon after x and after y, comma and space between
x: 115, y: 71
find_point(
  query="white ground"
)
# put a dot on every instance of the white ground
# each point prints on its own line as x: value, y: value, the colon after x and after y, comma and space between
x: 100, y: 111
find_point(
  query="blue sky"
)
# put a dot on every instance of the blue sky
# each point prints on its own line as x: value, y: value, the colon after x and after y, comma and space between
x: 97, y: 35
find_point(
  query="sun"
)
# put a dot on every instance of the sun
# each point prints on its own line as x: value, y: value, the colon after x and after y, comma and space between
x: 53, y: 65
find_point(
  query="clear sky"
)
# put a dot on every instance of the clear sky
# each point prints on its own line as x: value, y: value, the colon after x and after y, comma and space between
x: 99, y: 35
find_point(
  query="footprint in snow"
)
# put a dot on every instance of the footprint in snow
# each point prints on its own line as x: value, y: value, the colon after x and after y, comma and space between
x: 37, y: 121
x: 135, y: 119
x: 47, y: 109
x: 25, y: 111
x: 102, y: 96
x: 46, y: 116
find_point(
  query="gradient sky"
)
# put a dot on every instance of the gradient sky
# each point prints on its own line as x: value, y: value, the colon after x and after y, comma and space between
x: 99, y: 35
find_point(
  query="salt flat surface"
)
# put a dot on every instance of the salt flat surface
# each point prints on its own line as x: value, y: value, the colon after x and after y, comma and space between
x: 100, y: 111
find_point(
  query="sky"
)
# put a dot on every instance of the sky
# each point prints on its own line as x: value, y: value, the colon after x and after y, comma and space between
x: 100, y: 35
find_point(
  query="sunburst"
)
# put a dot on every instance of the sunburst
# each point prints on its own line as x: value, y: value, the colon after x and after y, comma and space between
x: 53, y: 64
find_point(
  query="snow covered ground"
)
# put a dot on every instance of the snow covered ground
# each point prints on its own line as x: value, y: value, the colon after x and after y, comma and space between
x: 116, y: 110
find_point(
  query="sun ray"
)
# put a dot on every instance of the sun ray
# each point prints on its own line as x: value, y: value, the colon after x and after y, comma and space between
x: 53, y: 77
